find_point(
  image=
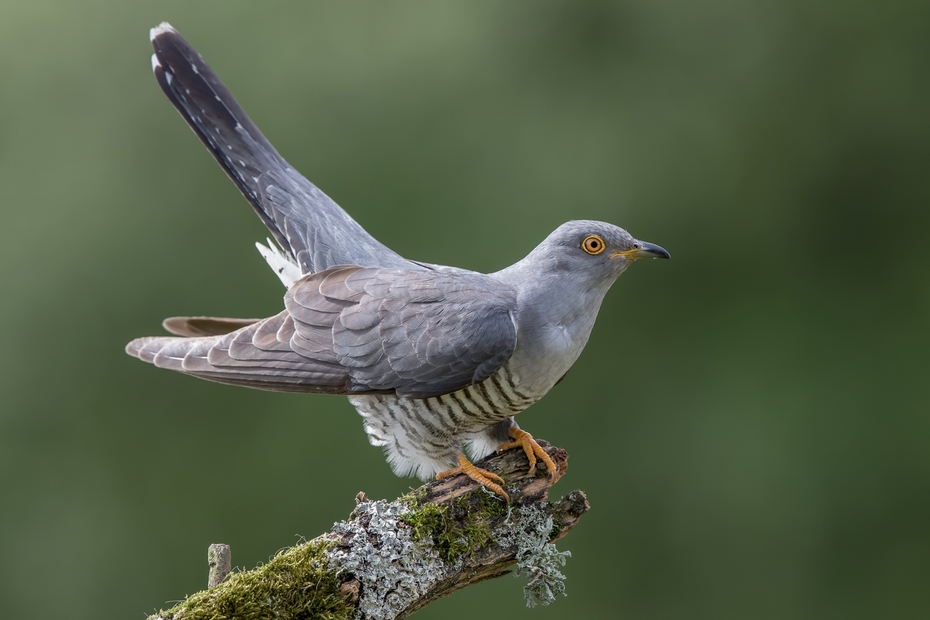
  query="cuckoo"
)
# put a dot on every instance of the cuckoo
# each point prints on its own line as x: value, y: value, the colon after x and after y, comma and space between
x: 437, y: 360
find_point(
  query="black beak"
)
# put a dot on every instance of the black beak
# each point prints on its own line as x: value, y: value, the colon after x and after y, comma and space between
x: 651, y: 250
x: 645, y: 250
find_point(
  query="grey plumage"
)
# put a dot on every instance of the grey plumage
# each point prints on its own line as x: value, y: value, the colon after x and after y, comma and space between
x: 432, y: 357
x: 306, y: 223
x: 357, y: 330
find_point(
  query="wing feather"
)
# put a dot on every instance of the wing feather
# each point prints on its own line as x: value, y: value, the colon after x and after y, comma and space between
x: 352, y: 330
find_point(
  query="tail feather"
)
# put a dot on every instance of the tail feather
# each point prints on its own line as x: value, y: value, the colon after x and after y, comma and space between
x: 216, y: 117
x: 313, y: 230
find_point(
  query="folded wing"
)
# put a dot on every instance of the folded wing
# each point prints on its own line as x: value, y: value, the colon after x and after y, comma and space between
x: 355, y: 330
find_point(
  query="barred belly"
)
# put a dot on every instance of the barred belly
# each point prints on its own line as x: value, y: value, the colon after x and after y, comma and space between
x: 421, y: 437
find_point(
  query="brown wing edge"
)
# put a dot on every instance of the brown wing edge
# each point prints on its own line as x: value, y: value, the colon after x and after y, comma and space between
x: 198, y: 326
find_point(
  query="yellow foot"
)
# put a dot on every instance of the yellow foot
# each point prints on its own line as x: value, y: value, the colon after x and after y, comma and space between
x: 488, y: 480
x: 522, y: 439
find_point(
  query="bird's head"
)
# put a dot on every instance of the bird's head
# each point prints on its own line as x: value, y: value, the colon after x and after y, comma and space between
x: 599, y: 250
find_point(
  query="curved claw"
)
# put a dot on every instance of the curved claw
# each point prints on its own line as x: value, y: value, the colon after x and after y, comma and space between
x: 522, y: 439
x: 485, y: 478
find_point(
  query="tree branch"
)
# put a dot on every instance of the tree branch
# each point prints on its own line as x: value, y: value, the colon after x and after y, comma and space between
x: 220, y: 560
x: 390, y: 559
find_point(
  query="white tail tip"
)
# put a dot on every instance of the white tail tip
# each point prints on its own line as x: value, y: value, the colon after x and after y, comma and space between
x: 161, y: 28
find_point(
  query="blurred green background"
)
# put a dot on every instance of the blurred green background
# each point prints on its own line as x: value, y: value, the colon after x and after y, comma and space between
x: 749, y: 420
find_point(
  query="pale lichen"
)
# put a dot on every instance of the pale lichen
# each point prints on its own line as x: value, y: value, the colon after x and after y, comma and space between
x: 528, y: 532
x: 380, y: 551
x: 400, y: 550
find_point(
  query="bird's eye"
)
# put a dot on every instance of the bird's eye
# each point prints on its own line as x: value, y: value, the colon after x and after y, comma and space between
x: 593, y: 245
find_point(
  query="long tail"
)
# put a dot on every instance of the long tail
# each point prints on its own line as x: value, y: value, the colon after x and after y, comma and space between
x: 312, y: 229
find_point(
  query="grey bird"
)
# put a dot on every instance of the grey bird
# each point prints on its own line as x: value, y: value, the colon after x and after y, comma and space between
x: 436, y: 359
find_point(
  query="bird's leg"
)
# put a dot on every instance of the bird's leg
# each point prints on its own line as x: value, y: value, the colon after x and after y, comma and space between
x: 522, y: 439
x: 488, y: 480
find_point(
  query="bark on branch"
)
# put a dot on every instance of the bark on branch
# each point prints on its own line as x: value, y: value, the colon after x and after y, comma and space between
x: 389, y: 559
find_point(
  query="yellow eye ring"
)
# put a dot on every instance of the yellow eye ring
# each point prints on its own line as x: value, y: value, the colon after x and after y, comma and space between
x: 593, y: 245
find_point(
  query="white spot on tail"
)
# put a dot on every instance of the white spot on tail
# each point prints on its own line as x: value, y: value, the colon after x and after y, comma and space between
x: 155, y: 62
x: 280, y: 263
x: 161, y: 28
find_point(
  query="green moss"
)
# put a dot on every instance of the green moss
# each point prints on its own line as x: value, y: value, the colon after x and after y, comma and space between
x: 277, y: 589
x: 456, y: 528
x: 414, y: 498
